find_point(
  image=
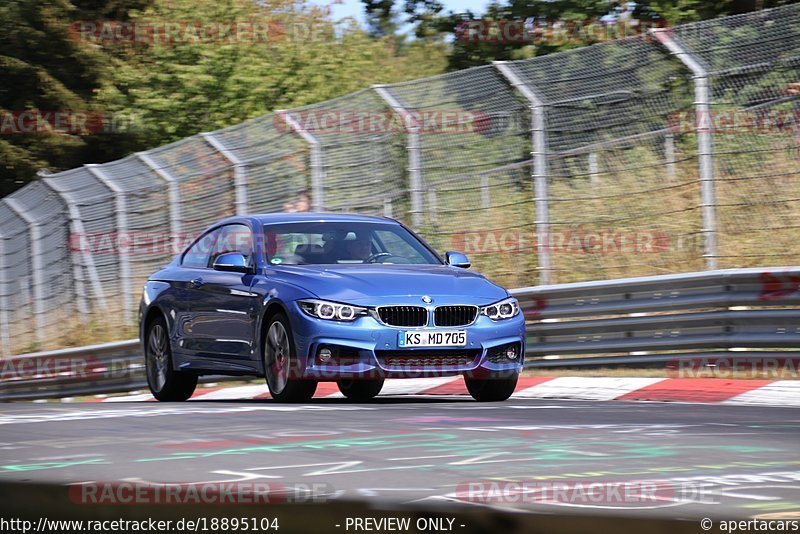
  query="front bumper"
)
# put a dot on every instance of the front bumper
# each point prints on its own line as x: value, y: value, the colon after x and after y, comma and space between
x: 366, y: 348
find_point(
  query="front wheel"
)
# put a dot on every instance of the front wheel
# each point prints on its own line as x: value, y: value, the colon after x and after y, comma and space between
x: 360, y: 390
x: 491, y: 389
x: 165, y: 383
x: 280, y: 363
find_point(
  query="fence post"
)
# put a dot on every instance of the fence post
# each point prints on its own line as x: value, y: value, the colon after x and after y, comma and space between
x: 239, y: 172
x: 316, y: 164
x: 77, y: 229
x: 174, y: 198
x: 121, y: 208
x: 540, y: 170
x: 432, y: 206
x: 594, y: 171
x: 669, y: 155
x: 705, y: 155
x: 414, y: 153
x: 486, y: 200
x: 37, y: 277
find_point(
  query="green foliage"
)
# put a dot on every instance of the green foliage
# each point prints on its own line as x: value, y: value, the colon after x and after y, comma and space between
x: 181, y: 88
x: 468, y: 53
x: 381, y: 17
x: 174, y: 88
x: 44, y: 68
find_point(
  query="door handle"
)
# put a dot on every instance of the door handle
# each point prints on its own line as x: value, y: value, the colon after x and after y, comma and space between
x: 197, y: 282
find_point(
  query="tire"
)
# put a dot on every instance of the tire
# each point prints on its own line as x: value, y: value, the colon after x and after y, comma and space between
x: 280, y: 360
x: 360, y: 390
x: 165, y: 383
x: 491, y: 389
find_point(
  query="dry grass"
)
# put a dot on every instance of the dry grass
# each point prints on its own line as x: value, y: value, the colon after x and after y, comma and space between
x: 653, y: 218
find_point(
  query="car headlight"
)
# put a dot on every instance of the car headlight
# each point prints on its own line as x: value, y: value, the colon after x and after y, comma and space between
x: 505, y: 309
x: 334, y: 311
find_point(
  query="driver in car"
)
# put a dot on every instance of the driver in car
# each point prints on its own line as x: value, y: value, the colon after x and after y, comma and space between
x: 359, y: 248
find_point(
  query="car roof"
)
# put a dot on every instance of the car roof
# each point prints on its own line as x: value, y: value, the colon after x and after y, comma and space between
x: 273, y: 218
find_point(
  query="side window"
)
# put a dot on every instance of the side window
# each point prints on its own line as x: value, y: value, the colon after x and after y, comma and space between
x: 233, y: 238
x: 198, y: 254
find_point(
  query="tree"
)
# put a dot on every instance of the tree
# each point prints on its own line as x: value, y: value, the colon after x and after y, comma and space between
x: 381, y: 17
x: 476, y: 49
x: 183, y: 86
x: 45, y: 68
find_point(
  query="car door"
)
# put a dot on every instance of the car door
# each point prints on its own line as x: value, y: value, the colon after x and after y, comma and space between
x: 193, y: 266
x: 221, y: 307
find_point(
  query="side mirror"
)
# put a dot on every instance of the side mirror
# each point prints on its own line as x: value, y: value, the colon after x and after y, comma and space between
x: 457, y: 259
x: 232, y: 262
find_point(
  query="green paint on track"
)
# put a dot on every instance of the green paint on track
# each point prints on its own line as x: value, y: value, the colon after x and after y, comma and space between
x: 50, y: 465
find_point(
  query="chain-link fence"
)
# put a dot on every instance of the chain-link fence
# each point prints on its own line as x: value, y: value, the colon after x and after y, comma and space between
x: 671, y: 152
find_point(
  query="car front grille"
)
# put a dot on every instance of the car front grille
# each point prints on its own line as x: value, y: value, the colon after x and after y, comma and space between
x: 427, y: 358
x: 454, y: 315
x: 403, y: 315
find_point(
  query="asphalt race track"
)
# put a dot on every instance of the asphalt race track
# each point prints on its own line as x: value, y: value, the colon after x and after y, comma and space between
x: 707, y: 460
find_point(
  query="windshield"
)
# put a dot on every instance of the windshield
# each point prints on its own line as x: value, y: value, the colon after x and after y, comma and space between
x: 341, y: 242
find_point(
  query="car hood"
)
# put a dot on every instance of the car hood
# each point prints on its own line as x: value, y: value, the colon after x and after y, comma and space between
x: 398, y: 284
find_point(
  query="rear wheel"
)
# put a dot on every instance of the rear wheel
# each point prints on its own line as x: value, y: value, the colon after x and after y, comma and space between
x: 491, y: 389
x: 360, y: 390
x: 280, y: 363
x: 165, y: 383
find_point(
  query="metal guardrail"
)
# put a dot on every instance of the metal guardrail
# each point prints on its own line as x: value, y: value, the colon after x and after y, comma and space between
x: 653, y: 320
x: 660, y: 318
x: 93, y: 369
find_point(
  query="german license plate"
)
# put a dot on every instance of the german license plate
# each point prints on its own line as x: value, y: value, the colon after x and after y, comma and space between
x: 432, y: 338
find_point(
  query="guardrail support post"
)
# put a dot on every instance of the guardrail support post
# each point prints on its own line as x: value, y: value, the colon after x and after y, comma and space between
x: 37, y: 276
x: 316, y: 163
x: 121, y: 208
x: 705, y: 152
x: 174, y: 198
x: 413, y: 149
x: 239, y: 172
x: 540, y: 171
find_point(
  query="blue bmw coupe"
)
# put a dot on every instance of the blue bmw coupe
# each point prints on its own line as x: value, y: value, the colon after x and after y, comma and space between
x: 309, y: 297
